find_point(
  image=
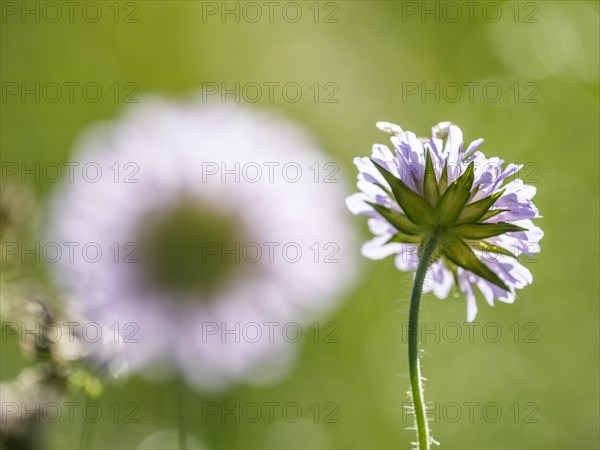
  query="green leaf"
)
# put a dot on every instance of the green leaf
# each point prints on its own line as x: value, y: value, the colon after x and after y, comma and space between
x: 460, y: 254
x: 455, y: 197
x: 414, y: 206
x: 475, y: 211
x: 474, y: 191
x: 492, y: 213
x: 487, y: 247
x: 396, y: 219
x: 486, y: 230
x: 456, y: 279
x: 430, y: 188
x: 443, y: 184
x: 406, y: 238
x: 384, y: 188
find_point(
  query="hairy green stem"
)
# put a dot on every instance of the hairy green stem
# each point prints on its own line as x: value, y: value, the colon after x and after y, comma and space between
x: 423, y: 438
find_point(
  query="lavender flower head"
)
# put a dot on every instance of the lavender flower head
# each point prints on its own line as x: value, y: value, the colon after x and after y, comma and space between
x: 435, y: 186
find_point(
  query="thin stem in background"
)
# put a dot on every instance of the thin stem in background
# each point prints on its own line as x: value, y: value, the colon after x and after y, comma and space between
x: 180, y: 405
x: 87, y: 431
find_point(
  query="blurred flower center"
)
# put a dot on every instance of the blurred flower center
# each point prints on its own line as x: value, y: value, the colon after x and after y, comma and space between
x: 190, y: 250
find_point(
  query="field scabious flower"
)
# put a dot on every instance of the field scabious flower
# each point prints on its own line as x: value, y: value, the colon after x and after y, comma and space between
x: 193, y: 235
x: 445, y: 212
x: 437, y: 187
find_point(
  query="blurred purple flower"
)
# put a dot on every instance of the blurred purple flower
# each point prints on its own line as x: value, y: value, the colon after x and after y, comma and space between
x: 177, y: 312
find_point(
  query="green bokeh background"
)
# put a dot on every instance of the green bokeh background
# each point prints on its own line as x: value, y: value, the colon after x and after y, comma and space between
x: 369, y: 53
